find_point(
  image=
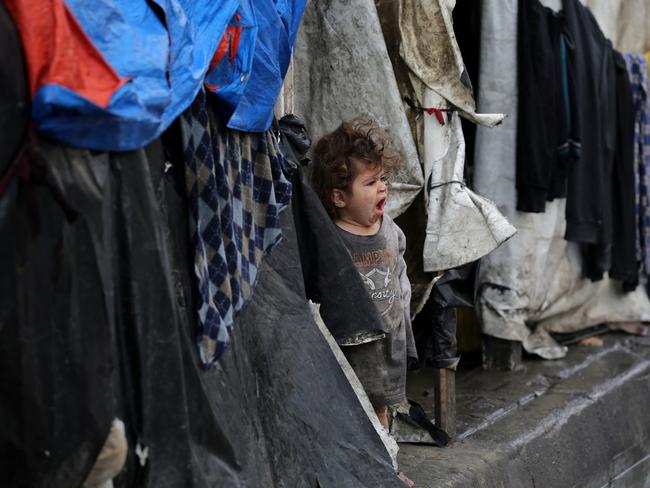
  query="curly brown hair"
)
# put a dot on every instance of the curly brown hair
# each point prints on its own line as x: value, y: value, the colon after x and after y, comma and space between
x: 337, y: 155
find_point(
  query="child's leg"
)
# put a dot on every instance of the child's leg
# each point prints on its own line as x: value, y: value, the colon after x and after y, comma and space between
x: 382, y: 415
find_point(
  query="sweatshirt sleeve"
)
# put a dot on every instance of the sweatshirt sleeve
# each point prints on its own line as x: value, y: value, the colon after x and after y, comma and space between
x: 405, y: 287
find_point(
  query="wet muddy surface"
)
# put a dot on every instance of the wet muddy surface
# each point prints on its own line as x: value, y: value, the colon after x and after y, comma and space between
x: 579, y: 421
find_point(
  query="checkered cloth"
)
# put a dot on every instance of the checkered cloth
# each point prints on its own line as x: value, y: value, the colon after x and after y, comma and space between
x: 637, y: 67
x: 236, y: 191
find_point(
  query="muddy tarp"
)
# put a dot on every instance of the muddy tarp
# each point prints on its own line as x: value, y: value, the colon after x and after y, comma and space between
x: 97, y: 315
x: 533, y: 284
x: 462, y: 226
x: 342, y: 69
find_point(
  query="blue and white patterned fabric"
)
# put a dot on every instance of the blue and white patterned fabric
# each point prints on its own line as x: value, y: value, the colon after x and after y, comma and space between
x: 637, y: 67
x: 236, y: 191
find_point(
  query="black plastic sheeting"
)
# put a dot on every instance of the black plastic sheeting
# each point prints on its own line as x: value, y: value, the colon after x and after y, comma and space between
x: 14, y: 106
x: 435, y: 326
x: 97, y: 321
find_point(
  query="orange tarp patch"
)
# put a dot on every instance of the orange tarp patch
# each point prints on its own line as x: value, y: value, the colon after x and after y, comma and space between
x: 59, y: 52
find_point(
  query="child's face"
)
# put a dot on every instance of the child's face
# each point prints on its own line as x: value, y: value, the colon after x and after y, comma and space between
x: 364, y: 203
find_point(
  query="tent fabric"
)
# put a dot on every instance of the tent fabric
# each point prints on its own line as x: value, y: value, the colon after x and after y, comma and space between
x: 259, y: 65
x: 57, y: 340
x: 533, y: 284
x: 461, y: 226
x: 96, y: 88
x: 427, y: 23
x: 236, y: 191
x: 91, y: 333
x: 342, y: 70
x: 14, y: 104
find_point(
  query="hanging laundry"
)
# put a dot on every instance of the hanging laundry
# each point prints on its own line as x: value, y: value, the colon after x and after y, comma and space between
x: 547, y: 127
x: 624, y: 262
x: 588, y: 193
x: 236, y: 191
x: 534, y: 283
x: 637, y: 67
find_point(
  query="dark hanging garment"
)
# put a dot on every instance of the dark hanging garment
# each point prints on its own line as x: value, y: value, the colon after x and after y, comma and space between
x: 569, y: 143
x: 14, y: 98
x: 588, y: 193
x: 624, y: 260
x: 597, y: 257
x: 548, y: 131
x: 537, y: 119
x: 467, y: 28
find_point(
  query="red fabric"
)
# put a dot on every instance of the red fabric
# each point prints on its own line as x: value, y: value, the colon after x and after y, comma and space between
x: 59, y: 52
x: 229, y: 44
x: 438, y: 113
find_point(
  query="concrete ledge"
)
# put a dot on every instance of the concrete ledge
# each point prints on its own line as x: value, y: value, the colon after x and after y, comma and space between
x: 583, y: 421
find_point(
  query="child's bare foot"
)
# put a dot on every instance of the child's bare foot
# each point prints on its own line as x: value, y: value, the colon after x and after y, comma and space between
x: 407, y: 481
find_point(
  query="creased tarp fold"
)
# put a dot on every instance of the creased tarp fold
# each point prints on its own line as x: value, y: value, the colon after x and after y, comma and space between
x: 462, y: 226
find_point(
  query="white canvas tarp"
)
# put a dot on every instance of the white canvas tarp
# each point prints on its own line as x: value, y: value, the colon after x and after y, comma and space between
x: 461, y: 225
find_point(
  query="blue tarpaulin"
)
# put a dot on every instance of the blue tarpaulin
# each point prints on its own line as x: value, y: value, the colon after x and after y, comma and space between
x: 140, y: 64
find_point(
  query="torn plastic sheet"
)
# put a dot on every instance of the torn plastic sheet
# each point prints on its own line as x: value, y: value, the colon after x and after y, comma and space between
x: 532, y: 285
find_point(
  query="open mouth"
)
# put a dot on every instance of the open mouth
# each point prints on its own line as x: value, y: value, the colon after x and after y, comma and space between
x: 380, y: 206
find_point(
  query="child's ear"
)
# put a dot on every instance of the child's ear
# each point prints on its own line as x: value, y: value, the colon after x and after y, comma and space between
x: 338, y: 198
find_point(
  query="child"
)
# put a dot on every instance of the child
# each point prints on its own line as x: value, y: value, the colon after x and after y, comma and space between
x: 351, y: 168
